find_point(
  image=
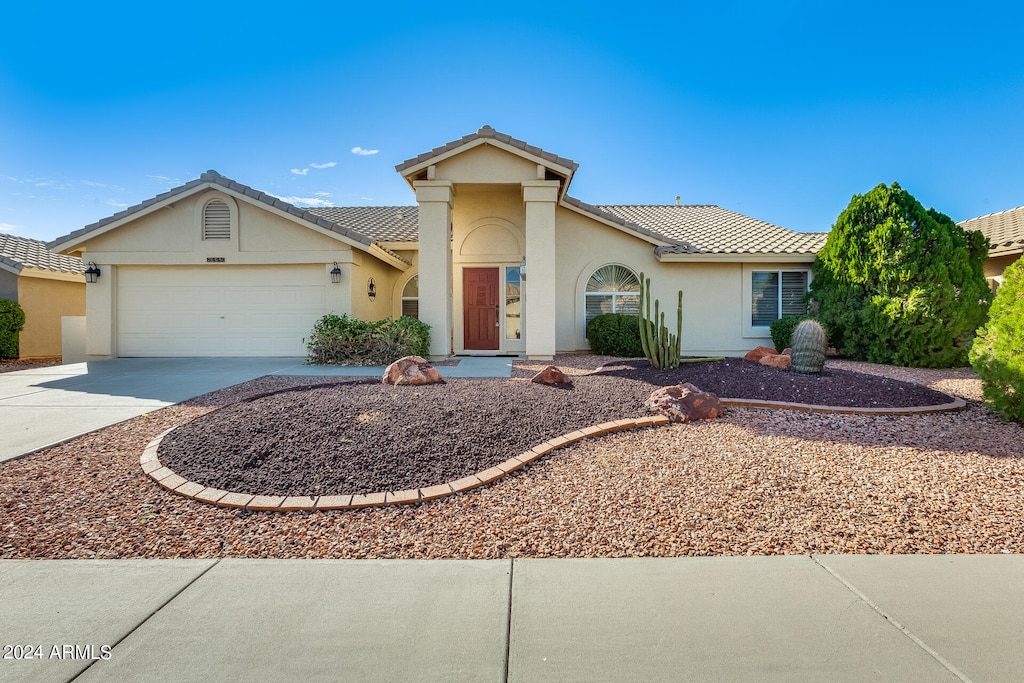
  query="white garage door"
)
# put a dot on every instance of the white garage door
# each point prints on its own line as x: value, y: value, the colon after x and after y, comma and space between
x: 217, y: 310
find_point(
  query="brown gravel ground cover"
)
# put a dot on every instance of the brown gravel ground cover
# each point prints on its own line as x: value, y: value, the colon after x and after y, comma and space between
x: 753, y: 482
x: 364, y: 437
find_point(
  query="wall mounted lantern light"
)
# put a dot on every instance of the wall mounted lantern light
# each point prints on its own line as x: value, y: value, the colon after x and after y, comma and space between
x: 371, y: 289
x: 335, y: 273
x: 92, y: 273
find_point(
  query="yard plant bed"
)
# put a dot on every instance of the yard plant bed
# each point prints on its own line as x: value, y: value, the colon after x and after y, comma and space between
x: 360, y: 437
x: 754, y: 482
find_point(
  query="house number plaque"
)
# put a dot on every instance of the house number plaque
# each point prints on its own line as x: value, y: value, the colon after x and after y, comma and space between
x: 215, y: 259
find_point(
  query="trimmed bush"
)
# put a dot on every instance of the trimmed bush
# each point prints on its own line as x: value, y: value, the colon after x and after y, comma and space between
x: 998, y: 351
x: 782, y: 330
x: 12, y: 321
x: 341, y: 340
x: 615, y: 334
x: 899, y: 284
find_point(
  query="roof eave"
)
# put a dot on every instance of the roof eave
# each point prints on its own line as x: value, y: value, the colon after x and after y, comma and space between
x: 736, y: 257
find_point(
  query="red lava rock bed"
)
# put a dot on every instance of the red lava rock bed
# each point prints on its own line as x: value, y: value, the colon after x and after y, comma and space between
x: 360, y: 436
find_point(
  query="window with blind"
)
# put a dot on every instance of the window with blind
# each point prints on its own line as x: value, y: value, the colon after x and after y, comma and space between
x: 777, y: 293
x: 216, y: 221
x: 612, y: 289
x: 411, y: 298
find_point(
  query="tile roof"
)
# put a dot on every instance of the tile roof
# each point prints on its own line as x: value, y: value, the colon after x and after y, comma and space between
x: 709, y: 229
x: 1005, y: 230
x: 380, y: 223
x: 488, y: 133
x: 214, y: 178
x: 22, y: 252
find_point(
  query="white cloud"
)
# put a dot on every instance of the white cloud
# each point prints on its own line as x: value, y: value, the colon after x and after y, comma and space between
x: 90, y: 183
x: 305, y: 201
x: 7, y: 227
x: 364, y: 152
x: 329, y: 164
x: 118, y: 205
x: 322, y: 194
x: 300, y: 171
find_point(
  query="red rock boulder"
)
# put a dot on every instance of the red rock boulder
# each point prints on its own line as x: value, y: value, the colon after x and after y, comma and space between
x: 759, y: 353
x: 551, y: 375
x: 684, y: 403
x: 781, y: 361
x: 411, y: 370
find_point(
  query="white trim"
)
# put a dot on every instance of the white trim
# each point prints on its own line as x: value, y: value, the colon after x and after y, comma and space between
x: 759, y: 332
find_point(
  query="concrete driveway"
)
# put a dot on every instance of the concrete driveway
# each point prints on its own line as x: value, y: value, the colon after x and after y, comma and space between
x: 46, y: 406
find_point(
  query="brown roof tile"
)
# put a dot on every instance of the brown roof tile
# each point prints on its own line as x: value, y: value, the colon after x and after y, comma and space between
x: 1005, y: 230
x: 23, y: 252
x: 486, y: 132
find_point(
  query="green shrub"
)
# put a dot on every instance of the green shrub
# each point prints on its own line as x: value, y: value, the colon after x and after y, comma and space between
x: 12, y: 321
x: 341, y: 340
x: 998, y: 351
x: 782, y: 330
x: 615, y: 334
x: 900, y: 284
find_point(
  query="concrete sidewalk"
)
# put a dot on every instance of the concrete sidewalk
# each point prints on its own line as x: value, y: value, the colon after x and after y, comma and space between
x: 43, y: 407
x: 795, y: 618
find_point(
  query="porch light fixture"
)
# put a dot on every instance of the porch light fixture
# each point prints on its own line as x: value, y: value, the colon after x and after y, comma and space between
x: 371, y: 289
x: 92, y: 273
x: 335, y: 273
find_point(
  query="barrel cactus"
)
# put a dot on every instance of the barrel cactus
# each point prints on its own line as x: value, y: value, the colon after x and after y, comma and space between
x: 809, y: 347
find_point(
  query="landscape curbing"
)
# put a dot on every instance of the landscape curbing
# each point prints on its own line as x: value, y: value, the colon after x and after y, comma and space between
x: 175, y: 483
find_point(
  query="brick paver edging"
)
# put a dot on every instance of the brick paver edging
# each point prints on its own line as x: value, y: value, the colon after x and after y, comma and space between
x: 168, y: 479
x: 956, y: 404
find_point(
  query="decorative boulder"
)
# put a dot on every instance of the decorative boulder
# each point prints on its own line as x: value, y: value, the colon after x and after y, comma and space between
x: 787, y: 351
x: 550, y: 375
x: 683, y: 403
x: 759, y: 353
x: 411, y: 370
x: 781, y: 361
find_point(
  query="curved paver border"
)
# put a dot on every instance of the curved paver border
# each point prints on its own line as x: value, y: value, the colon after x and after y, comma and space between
x: 171, y: 481
x: 175, y: 483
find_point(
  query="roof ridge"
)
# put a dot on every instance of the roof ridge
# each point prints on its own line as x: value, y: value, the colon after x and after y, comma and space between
x: 486, y: 132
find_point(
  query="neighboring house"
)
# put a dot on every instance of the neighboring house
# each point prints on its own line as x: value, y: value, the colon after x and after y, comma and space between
x: 1005, y: 232
x: 47, y: 286
x: 495, y: 256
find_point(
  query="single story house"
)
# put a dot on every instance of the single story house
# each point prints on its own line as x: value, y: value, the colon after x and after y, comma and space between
x: 1005, y: 232
x: 46, y: 285
x: 495, y: 255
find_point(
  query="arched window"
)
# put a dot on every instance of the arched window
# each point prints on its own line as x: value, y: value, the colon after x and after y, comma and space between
x: 612, y: 289
x: 216, y: 220
x: 411, y: 297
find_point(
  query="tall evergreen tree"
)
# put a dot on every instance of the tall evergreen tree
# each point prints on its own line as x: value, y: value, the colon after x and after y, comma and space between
x: 900, y: 284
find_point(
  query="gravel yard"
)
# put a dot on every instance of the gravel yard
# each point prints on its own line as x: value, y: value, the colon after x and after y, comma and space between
x: 753, y: 482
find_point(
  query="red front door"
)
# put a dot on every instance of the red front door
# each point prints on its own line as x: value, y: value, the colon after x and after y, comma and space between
x: 480, y: 309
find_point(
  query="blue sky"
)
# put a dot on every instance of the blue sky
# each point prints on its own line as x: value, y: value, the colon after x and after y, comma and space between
x: 779, y: 110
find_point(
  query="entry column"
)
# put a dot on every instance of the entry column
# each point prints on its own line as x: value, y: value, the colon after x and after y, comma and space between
x: 541, y: 197
x: 435, y: 262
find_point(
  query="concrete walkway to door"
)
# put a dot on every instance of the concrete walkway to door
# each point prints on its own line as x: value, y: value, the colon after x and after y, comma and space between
x: 43, y: 407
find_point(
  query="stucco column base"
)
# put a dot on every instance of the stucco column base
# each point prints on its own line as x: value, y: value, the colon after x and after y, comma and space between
x: 540, y: 357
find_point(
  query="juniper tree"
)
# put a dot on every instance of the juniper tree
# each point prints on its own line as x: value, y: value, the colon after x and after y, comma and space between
x: 900, y: 284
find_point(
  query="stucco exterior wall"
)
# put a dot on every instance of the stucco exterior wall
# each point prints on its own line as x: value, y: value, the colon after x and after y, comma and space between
x: 45, y: 301
x: 713, y: 292
x: 8, y: 285
x: 997, y: 264
x: 384, y: 279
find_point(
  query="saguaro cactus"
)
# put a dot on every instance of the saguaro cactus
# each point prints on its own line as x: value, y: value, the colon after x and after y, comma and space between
x: 660, y: 347
x: 810, y: 345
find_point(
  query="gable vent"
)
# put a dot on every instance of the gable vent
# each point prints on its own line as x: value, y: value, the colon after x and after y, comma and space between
x: 216, y: 221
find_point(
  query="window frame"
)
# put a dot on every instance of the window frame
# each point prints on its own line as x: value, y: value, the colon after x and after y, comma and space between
x: 749, y: 271
x: 615, y: 295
